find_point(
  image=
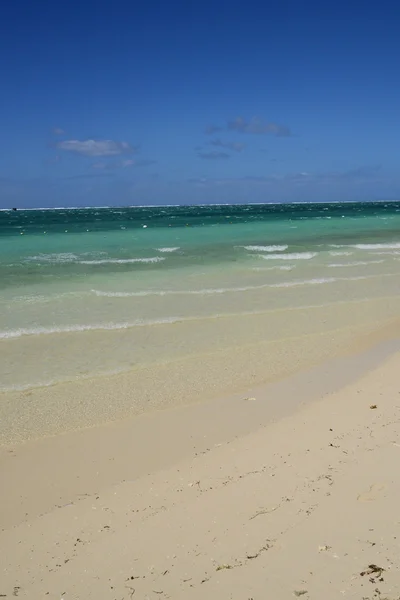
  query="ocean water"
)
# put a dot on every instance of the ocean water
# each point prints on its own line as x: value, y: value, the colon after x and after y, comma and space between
x: 95, y: 291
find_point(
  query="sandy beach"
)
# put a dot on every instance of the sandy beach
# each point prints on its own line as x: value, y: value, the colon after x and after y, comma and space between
x: 288, y: 491
x: 199, y: 302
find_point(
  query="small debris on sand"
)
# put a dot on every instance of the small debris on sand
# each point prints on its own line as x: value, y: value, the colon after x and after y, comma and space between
x: 221, y: 567
x: 373, y: 570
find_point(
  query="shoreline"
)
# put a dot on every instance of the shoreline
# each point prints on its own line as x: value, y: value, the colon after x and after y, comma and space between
x: 105, y: 454
x: 205, y: 373
x: 313, y: 486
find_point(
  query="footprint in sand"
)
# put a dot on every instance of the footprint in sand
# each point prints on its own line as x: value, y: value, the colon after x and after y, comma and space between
x: 373, y: 493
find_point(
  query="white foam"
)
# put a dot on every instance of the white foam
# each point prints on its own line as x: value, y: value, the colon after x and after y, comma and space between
x: 322, y: 280
x: 287, y: 284
x: 290, y: 256
x: 278, y: 248
x: 121, y: 261
x: 39, y: 298
x: 282, y: 268
x: 340, y: 253
x: 356, y: 263
x: 69, y: 257
x: 62, y: 257
x: 218, y: 291
x: 16, y: 333
x: 386, y: 253
x: 168, y: 249
x: 388, y: 246
x: 201, y: 292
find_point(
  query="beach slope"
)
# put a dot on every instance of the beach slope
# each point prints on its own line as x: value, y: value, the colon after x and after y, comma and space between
x: 304, y: 507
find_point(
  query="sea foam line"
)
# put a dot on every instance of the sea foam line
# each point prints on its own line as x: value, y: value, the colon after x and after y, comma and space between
x: 69, y: 257
x: 23, y: 331
x: 281, y: 268
x: 216, y: 291
x: 54, y: 257
x: 121, y: 261
x: 174, y: 249
x: 356, y: 263
x: 301, y: 282
x: 40, y: 299
x: 290, y: 256
x: 377, y: 246
x: 276, y: 248
x: 382, y: 246
x: 386, y: 253
x: 202, y: 292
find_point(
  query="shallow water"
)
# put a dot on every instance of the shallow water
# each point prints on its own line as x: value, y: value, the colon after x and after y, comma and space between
x: 86, y: 292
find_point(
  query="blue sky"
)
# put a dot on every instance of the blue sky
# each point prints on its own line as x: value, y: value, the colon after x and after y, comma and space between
x: 173, y: 102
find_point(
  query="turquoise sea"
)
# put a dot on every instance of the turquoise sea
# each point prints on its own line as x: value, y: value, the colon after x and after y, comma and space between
x: 95, y: 291
x: 68, y: 247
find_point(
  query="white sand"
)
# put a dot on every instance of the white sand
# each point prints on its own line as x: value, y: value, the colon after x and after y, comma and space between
x: 256, y: 510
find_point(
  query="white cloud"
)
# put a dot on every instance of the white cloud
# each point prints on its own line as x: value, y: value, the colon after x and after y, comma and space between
x: 97, y: 148
x: 237, y: 146
x: 258, y: 126
x: 123, y: 164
